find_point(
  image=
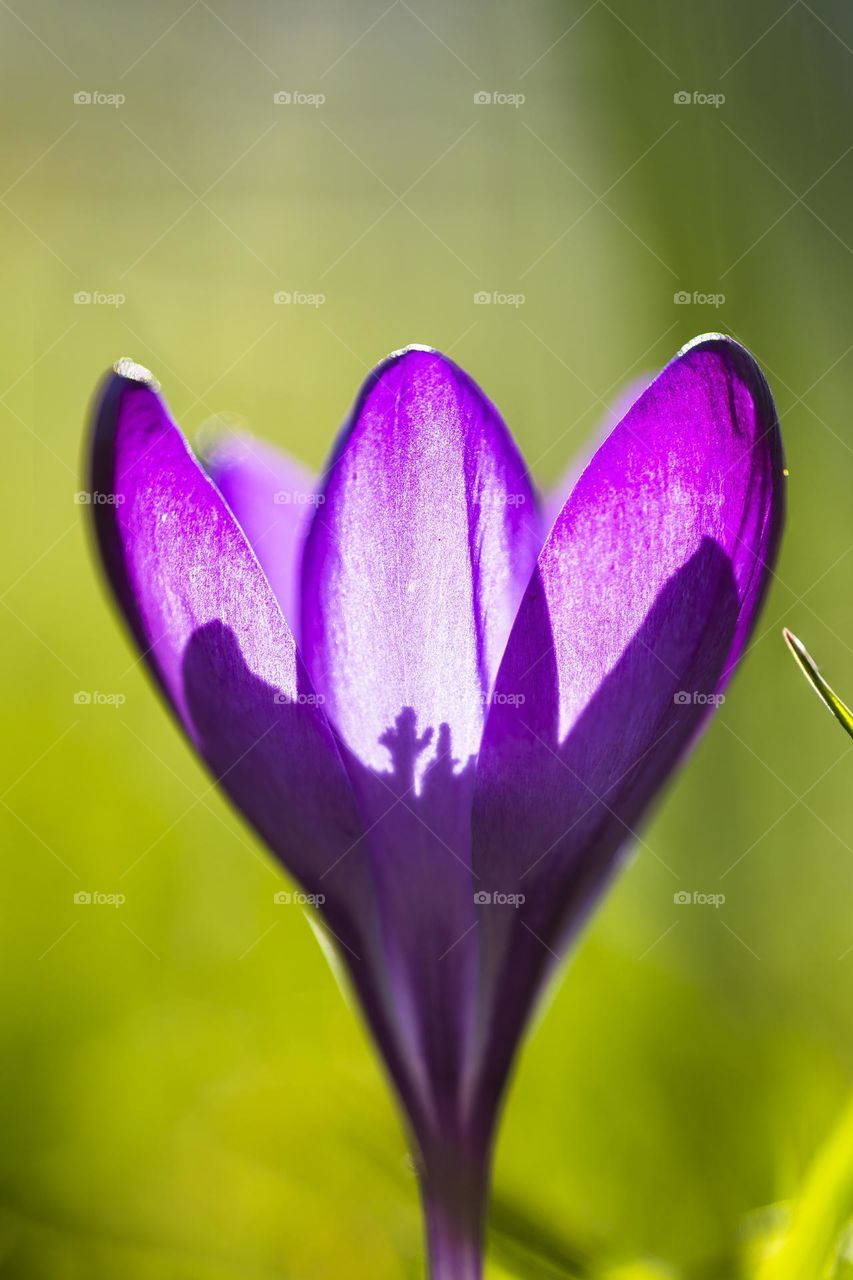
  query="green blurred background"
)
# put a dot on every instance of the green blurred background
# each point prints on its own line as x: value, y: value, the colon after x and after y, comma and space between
x: 185, y: 1093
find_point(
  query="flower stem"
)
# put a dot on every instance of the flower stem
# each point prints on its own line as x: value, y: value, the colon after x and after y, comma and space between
x: 454, y: 1188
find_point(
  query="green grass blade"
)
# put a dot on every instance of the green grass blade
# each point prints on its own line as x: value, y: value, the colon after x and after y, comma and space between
x: 826, y: 694
x: 526, y: 1246
x: 821, y: 1212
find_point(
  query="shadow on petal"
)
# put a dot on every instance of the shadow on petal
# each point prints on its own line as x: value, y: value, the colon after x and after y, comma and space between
x: 278, y: 762
x: 448, y: 928
x: 553, y: 818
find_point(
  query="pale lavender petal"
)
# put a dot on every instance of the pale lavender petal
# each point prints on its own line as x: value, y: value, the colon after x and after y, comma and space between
x: 273, y: 496
x: 415, y: 564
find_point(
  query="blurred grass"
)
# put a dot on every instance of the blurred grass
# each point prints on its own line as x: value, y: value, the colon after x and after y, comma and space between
x: 185, y: 1094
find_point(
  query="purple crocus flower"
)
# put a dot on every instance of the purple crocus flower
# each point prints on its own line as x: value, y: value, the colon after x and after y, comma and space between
x: 444, y: 719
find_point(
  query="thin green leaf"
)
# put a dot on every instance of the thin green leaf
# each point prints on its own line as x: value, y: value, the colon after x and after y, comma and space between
x: 525, y: 1245
x: 821, y: 1212
x: 826, y: 694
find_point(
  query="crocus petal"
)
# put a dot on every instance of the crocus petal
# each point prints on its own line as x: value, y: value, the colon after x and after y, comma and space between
x: 554, y: 498
x: 176, y: 557
x: 205, y: 619
x: 412, y: 573
x: 415, y: 564
x: 643, y: 599
x: 272, y: 496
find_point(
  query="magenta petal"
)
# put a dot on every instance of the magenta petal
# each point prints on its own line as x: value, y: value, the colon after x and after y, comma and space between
x: 504, y: 713
x: 209, y: 627
x: 176, y: 557
x: 204, y: 617
x: 643, y: 600
x: 273, y: 497
x: 415, y: 564
x: 412, y: 573
x: 554, y: 498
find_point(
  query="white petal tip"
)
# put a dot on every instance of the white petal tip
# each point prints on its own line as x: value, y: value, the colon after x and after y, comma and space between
x: 127, y: 368
x: 413, y: 346
x: 705, y: 337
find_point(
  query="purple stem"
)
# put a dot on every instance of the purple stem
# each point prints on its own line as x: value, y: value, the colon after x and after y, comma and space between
x: 454, y: 1190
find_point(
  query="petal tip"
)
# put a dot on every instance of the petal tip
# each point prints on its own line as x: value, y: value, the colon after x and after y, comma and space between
x: 410, y: 364
x: 414, y: 354
x: 218, y: 449
x: 702, y: 338
x: 135, y: 372
x: 739, y: 356
x: 414, y: 346
x: 744, y: 365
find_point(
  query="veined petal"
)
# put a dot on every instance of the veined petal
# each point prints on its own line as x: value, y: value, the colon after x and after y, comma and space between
x: 643, y: 599
x: 412, y: 573
x: 415, y: 564
x: 210, y: 629
x: 554, y: 498
x: 176, y: 557
x: 272, y: 496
